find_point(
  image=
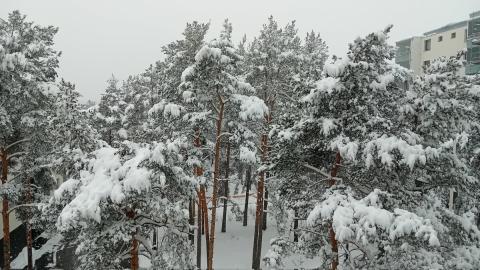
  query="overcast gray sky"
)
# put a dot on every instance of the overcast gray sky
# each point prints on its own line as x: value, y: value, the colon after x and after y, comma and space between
x: 103, y: 37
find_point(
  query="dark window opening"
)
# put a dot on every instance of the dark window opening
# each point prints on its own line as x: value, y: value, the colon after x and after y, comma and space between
x: 428, y: 44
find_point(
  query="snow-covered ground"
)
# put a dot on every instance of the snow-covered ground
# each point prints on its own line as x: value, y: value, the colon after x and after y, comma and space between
x: 233, y: 249
x: 49, y: 247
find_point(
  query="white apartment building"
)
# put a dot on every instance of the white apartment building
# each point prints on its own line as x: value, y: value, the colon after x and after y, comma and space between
x: 418, y: 51
x: 445, y: 41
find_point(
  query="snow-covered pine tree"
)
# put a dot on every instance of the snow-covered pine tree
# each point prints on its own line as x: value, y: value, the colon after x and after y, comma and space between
x: 109, y: 114
x: 36, y: 177
x: 121, y: 196
x: 70, y: 138
x: 313, y: 58
x: 180, y: 55
x: 211, y: 86
x: 72, y: 135
x: 351, y: 118
x: 440, y: 109
x: 28, y: 68
x: 440, y: 112
x: 274, y: 60
x: 138, y: 98
x: 312, y: 61
x: 242, y: 124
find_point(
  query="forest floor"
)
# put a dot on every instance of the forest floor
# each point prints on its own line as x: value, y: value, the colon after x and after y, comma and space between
x: 233, y: 249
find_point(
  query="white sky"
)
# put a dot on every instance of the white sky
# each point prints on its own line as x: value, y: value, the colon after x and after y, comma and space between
x: 103, y: 37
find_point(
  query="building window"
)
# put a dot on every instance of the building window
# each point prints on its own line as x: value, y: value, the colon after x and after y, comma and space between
x: 426, y: 63
x: 428, y: 44
x: 440, y: 38
x: 453, y: 35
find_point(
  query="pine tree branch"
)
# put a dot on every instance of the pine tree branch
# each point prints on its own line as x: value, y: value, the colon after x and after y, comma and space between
x: 17, y: 142
x: 145, y: 243
x: 25, y: 205
x: 224, y: 134
x: 215, y: 107
x: 306, y: 165
x: 16, y: 154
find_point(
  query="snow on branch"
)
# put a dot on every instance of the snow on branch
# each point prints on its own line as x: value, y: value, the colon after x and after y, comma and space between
x: 172, y: 110
x: 384, y: 147
x: 157, y: 107
x: 326, y: 85
x: 251, y: 107
x: 111, y: 176
x: 207, y: 52
x: 348, y: 149
x: 169, y: 109
x: 247, y: 155
x: 336, y: 67
x: 361, y: 220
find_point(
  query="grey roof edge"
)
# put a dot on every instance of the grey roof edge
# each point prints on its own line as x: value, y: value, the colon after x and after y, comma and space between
x: 447, y: 27
x: 406, y: 39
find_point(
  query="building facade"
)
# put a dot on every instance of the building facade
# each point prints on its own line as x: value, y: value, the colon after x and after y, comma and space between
x: 473, y: 44
x: 416, y: 52
x: 409, y: 54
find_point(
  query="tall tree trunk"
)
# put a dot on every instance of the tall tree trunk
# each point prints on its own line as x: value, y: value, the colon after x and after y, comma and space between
x: 257, y: 245
x: 241, y: 172
x: 205, y: 218
x: 134, y: 252
x: 29, y: 226
x: 202, y: 200
x: 225, y: 201
x: 191, y: 220
x: 203, y: 223
x: 199, y: 235
x: 216, y: 174
x: 333, y: 240
x: 130, y: 213
x: 295, y: 226
x: 255, y: 242
x: 155, y: 239
x: 5, y: 219
x: 265, y: 205
x: 248, y: 180
x: 109, y: 137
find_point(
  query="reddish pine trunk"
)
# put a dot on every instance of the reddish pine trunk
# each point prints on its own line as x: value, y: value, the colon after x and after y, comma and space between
x: 29, y: 246
x: 225, y: 201
x: 134, y: 253
x: 202, y: 206
x: 29, y: 227
x: 6, y: 221
x: 258, y: 234
x: 205, y: 218
x: 248, y: 179
x: 333, y: 240
x: 216, y: 174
